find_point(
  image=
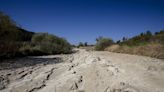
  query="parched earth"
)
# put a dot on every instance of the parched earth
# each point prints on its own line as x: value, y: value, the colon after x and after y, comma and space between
x: 83, y: 71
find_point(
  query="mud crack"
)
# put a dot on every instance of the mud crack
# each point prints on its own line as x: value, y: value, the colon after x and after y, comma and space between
x: 43, y: 82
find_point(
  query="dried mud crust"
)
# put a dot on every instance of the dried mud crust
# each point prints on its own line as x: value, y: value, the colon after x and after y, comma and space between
x: 83, y: 71
x: 3, y: 82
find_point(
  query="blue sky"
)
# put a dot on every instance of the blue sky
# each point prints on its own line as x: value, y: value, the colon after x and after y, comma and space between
x: 84, y: 20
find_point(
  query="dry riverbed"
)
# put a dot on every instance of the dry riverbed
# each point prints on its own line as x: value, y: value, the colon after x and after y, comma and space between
x: 83, y: 71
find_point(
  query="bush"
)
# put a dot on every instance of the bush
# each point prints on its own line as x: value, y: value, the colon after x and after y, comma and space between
x: 50, y: 44
x: 102, y: 43
x: 28, y: 49
x: 9, y: 49
x: 80, y: 44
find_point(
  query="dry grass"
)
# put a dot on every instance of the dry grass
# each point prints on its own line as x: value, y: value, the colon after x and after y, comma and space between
x: 151, y: 50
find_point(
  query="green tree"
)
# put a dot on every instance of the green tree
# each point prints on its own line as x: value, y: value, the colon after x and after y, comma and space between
x: 99, y: 38
x: 80, y: 44
x: 142, y: 34
x: 124, y: 39
x: 85, y: 44
x: 148, y: 33
x: 118, y: 42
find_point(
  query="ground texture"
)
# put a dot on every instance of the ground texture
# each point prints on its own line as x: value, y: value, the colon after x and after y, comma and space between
x: 83, y: 71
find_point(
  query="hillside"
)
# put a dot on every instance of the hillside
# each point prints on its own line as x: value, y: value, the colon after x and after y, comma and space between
x: 146, y: 44
x: 144, y: 38
x: 16, y: 41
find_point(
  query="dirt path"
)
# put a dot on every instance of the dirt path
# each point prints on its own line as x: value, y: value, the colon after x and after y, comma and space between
x: 83, y: 71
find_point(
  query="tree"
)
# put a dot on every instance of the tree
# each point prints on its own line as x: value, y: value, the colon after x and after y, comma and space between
x: 6, y: 21
x: 80, y: 44
x: 142, y: 34
x: 118, y: 42
x: 99, y: 38
x: 8, y: 30
x: 148, y: 33
x: 124, y: 39
x: 85, y: 44
x: 156, y: 33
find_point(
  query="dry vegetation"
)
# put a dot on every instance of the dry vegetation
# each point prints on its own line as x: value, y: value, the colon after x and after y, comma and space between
x: 152, y: 50
x: 146, y: 44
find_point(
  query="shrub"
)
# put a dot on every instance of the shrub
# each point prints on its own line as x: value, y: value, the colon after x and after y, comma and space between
x: 102, y: 43
x: 80, y: 44
x: 50, y: 44
x: 28, y: 49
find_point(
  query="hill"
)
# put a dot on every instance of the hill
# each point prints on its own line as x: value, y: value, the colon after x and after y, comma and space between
x: 147, y: 44
x: 16, y: 41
